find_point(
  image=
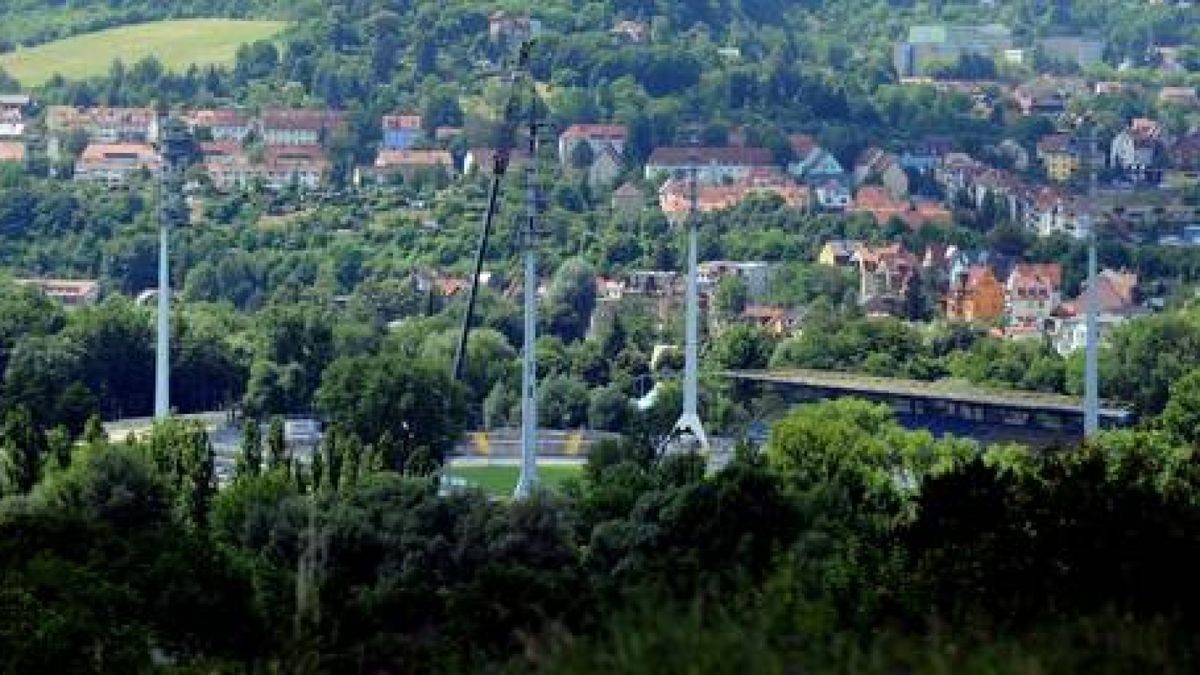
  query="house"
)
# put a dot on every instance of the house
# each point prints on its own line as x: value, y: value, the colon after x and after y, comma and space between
x: 302, y: 166
x: 1040, y: 98
x: 675, y: 195
x: 832, y: 195
x: 755, y: 274
x: 606, y: 150
x: 628, y: 201
x: 1180, y: 96
x: 884, y: 274
x: 116, y: 163
x: 1053, y: 212
x: 70, y: 292
x: 712, y: 165
x: 400, y: 132
x: 1185, y: 152
x: 223, y: 124
x: 12, y: 152
x: 1060, y: 156
x: 1138, y: 150
x: 839, y: 253
x: 812, y: 163
x: 975, y: 294
x: 630, y: 32
x: 882, y: 207
x: 926, y: 155
x: 405, y: 164
x: 15, y: 105
x: 874, y: 163
x: 483, y: 160
x: 103, y: 124
x: 928, y: 45
x: 778, y: 321
x: 297, y: 126
x: 512, y: 27
x: 1031, y: 294
x: 1082, y: 51
x: 220, y: 151
x: 1116, y: 303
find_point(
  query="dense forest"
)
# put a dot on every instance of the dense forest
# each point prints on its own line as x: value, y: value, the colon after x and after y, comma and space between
x: 846, y: 545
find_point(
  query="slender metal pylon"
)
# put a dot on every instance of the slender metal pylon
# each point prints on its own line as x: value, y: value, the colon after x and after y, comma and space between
x: 172, y: 210
x: 1091, y: 368
x: 689, y: 421
x: 530, y: 234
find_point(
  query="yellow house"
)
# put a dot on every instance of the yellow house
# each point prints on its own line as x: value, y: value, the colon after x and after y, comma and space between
x: 1060, y: 156
x: 838, y: 253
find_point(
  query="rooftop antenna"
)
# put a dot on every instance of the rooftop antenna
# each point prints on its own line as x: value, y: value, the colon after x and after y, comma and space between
x: 689, y: 421
x: 172, y: 210
x: 1091, y: 376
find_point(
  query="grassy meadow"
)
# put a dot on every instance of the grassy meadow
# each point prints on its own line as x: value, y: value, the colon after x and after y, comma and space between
x: 178, y: 44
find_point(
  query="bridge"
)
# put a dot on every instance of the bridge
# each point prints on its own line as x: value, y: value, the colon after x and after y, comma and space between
x: 946, y: 406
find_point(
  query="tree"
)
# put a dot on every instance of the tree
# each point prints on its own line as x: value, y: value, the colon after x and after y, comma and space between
x: 1181, y: 416
x: 582, y: 156
x: 609, y: 410
x: 249, y: 462
x: 22, y: 447
x: 742, y: 347
x: 562, y: 403
x: 277, y: 451
x: 413, y: 400
x: 571, y: 300
x: 731, y: 297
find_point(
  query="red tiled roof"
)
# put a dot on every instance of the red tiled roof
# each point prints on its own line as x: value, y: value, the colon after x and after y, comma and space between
x: 395, y: 122
x: 597, y: 132
x: 672, y: 156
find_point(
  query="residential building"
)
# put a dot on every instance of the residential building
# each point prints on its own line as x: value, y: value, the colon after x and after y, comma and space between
x: 12, y: 152
x: 103, y: 124
x: 302, y: 167
x: 1116, y: 303
x: 631, y: 32
x: 484, y: 160
x: 812, y: 163
x: 775, y: 320
x: 1185, y: 152
x: 1032, y: 293
x: 405, y: 164
x: 884, y: 274
x: 1052, y: 212
x: 755, y: 274
x: 1138, y: 150
x: 1082, y: 51
x: 222, y: 124
x: 606, y: 145
x: 1040, y: 98
x: 675, y: 195
x: 839, y: 253
x: 297, y: 126
x: 115, y: 164
x: 1180, y: 96
x: 925, y: 155
x: 975, y: 294
x: 512, y: 27
x: 832, y: 195
x: 400, y: 132
x: 712, y: 165
x: 70, y: 292
x: 875, y: 164
x: 1060, y: 156
x: 933, y: 44
x: 882, y: 207
x: 15, y: 104
x: 628, y: 201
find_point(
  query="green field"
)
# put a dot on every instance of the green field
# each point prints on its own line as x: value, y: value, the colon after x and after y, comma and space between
x: 177, y: 44
x: 502, y: 480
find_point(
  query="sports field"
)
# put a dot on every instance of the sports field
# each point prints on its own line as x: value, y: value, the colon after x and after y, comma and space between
x: 177, y: 44
x: 500, y: 481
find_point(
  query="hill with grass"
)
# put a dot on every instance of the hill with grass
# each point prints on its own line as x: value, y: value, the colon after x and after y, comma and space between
x: 177, y: 44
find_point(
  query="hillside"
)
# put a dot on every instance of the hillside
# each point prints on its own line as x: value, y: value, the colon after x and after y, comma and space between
x: 177, y: 44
